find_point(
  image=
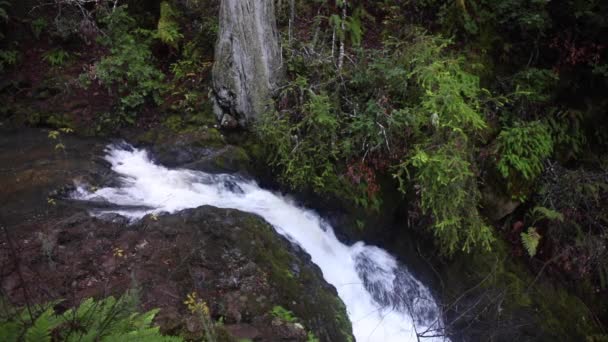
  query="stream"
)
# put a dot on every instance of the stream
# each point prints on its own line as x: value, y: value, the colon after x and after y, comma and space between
x: 384, y: 301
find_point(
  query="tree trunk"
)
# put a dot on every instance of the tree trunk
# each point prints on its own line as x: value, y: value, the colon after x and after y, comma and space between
x: 248, y: 63
x: 343, y: 28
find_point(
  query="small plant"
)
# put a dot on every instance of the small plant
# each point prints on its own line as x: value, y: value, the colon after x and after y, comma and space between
x: 38, y: 25
x: 530, y: 240
x: 8, y: 58
x: 56, y: 57
x: 283, y: 314
x: 198, y: 307
x: 522, y: 149
x: 56, y: 135
x: 168, y: 28
x: 310, y: 337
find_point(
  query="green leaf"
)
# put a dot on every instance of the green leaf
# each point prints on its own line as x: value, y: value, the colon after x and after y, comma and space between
x: 43, y: 326
x: 546, y: 213
x: 530, y: 240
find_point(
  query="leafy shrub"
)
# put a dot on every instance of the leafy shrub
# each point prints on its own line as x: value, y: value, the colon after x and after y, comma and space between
x: 109, y: 319
x: 56, y: 57
x: 522, y: 150
x: 448, y: 191
x: 449, y: 92
x: 191, y: 64
x: 568, y: 136
x: 129, y: 67
x: 306, y: 151
x: 38, y: 25
x: 168, y: 28
x: 8, y: 58
x: 283, y: 314
x: 449, y: 118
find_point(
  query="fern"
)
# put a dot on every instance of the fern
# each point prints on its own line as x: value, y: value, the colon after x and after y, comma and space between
x: 168, y: 28
x: 449, y: 192
x: 522, y: 150
x: 56, y: 57
x: 283, y: 314
x: 546, y: 213
x: 109, y: 320
x: 530, y: 240
x: 40, y: 331
x: 9, y: 331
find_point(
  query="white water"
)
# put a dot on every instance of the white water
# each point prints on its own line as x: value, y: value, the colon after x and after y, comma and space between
x: 379, y: 294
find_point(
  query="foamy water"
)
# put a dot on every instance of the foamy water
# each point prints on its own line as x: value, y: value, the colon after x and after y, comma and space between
x: 384, y: 301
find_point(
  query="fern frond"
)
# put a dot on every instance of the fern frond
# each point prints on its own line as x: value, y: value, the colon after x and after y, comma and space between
x: 530, y: 240
x: 9, y: 331
x: 168, y: 28
x: 548, y: 214
x: 43, y: 326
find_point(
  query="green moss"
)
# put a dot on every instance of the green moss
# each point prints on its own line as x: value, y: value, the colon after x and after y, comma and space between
x: 271, y: 255
x: 174, y: 123
x: 233, y: 158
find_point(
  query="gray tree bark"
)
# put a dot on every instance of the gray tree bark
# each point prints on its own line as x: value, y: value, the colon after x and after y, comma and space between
x: 248, y: 64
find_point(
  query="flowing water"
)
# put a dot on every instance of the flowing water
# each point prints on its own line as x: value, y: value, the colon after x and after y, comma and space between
x: 384, y: 301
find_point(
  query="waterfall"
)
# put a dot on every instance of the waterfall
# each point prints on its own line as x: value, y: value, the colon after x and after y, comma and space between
x: 384, y: 301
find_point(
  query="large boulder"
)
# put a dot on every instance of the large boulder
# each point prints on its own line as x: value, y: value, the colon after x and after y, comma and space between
x: 248, y: 61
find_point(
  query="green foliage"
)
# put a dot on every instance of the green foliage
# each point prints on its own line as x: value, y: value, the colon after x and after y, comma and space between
x: 306, y: 151
x: 38, y: 25
x: 8, y: 58
x: 168, y: 28
x: 535, y: 85
x: 530, y: 240
x: 310, y: 337
x: 546, y: 213
x: 448, y: 192
x: 413, y: 95
x: 56, y: 57
x: 191, y: 63
x: 129, y: 68
x: 109, y: 319
x: 283, y: 314
x: 449, y: 92
x: 570, y: 206
x: 351, y: 26
x: 568, y: 135
x: 522, y: 150
x: 443, y: 172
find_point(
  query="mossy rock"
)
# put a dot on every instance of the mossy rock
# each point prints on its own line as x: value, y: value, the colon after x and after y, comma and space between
x: 254, y: 269
x: 507, y: 301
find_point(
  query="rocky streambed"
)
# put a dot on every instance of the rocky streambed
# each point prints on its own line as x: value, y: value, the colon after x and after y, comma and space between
x: 52, y: 248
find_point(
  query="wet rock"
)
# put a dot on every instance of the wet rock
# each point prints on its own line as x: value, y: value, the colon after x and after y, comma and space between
x: 497, y: 205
